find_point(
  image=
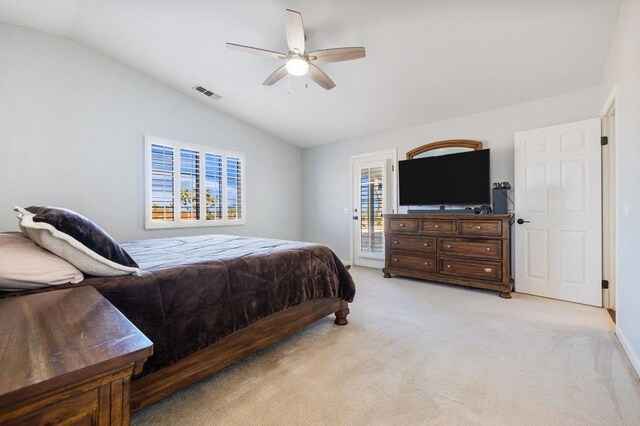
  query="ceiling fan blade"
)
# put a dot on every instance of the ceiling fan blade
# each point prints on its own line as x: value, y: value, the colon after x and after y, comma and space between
x: 256, y: 51
x: 338, y: 54
x: 276, y: 76
x: 295, y: 31
x: 317, y: 75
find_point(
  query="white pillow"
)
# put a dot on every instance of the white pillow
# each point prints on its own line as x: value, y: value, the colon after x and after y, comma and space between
x: 70, y: 249
x: 24, y: 265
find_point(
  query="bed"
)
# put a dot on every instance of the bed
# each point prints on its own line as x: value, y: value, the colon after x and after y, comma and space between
x: 207, y: 301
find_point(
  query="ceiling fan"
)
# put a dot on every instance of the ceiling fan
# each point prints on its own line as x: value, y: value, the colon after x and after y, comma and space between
x: 299, y: 62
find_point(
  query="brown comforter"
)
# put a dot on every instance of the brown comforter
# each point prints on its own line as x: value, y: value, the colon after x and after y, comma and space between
x: 193, y: 291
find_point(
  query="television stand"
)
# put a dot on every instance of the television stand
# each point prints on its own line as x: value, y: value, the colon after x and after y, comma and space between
x: 462, y: 249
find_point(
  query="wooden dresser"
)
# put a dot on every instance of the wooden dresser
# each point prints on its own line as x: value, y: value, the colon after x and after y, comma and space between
x: 67, y: 357
x: 463, y: 249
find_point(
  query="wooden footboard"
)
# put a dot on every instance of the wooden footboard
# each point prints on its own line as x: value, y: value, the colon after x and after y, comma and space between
x: 258, y: 335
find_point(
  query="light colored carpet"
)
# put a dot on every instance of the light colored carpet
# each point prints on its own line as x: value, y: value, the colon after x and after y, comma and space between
x: 418, y: 353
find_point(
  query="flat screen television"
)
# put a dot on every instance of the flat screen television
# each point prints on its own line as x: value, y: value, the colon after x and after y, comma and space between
x: 455, y: 179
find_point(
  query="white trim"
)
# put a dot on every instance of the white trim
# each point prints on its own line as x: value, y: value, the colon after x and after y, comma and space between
x: 394, y: 191
x: 633, y: 357
x: 371, y: 263
x: 610, y: 102
x: 606, y: 112
x: 149, y: 223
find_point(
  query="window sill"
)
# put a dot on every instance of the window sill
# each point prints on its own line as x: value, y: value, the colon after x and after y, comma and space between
x: 193, y: 224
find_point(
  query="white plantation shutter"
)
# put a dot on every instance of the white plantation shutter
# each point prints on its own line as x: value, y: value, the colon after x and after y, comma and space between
x: 234, y: 187
x: 213, y: 185
x: 191, y: 185
x: 162, y: 184
x: 371, y: 210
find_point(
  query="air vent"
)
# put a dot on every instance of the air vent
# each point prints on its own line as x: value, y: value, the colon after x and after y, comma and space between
x: 208, y: 93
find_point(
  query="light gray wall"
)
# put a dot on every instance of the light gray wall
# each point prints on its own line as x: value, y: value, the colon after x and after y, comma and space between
x: 326, y: 180
x: 71, y: 135
x: 623, y: 72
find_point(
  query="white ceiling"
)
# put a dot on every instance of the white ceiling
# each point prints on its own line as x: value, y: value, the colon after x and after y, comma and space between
x: 426, y: 60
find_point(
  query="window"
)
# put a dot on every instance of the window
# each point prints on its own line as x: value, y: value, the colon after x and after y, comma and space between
x: 190, y: 185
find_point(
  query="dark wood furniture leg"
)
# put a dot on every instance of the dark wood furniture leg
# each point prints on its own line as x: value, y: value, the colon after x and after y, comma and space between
x: 387, y: 275
x: 341, y: 315
x: 507, y: 294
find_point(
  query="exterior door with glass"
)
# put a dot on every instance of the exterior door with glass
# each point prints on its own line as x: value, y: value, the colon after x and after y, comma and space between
x: 373, y: 184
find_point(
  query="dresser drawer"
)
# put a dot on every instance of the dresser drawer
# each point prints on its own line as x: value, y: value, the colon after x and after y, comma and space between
x: 489, y: 249
x: 413, y: 263
x: 403, y: 225
x: 480, y: 227
x: 438, y: 226
x: 467, y: 268
x: 410, y: 243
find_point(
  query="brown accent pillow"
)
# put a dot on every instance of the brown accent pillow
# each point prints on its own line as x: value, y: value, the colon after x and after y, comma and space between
x: 77, y: 240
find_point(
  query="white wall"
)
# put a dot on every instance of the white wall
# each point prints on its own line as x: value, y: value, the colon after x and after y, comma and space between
x: 623, y: 72
x: 71, y: 135
x: 326, y: 180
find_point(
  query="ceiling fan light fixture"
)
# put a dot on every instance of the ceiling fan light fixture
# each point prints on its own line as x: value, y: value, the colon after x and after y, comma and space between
x: 297, y: 66
x: 298, y: 61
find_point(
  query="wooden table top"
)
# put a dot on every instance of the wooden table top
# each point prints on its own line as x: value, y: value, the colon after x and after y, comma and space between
x: 53, y: 339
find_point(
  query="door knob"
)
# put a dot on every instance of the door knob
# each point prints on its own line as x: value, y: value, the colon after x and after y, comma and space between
x: 521, y: 221
x: 355, y: 218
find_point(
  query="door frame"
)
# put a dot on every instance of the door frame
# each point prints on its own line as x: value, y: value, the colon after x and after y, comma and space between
x: 393, y: 196
x: 610, y: 190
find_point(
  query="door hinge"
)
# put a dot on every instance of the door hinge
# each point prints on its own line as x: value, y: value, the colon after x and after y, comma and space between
x: 604, y: 140
x: 605, y: 283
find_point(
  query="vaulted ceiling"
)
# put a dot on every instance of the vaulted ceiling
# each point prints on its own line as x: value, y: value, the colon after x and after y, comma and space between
x: 426, y: 59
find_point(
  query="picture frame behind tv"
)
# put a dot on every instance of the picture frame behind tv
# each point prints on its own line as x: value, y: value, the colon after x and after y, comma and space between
x: 453, y: 179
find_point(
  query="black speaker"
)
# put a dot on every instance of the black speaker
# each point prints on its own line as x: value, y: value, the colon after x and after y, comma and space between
x: 499, y: 198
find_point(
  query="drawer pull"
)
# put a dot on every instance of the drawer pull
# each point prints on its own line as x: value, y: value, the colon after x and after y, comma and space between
x: 487, y: 269
x: 488, y: 248
x: 448, y: 245
x: 401, y: 225
x: 396, y: 242
x: 395, y: 260
x: 426, y: 245
x: 435, y: 226
x: 448, y: 266
x: 426, y: 263
x: 478, y: 227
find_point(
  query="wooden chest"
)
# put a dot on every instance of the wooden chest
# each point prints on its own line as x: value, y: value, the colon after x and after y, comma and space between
x: 462, y: 249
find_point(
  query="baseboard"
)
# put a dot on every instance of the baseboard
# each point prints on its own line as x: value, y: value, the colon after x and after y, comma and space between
x: 633, y: 357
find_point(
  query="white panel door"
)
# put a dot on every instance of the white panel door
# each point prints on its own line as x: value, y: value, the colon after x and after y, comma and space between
x: 558, y: 237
